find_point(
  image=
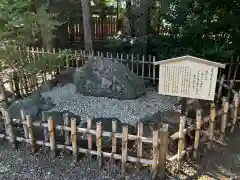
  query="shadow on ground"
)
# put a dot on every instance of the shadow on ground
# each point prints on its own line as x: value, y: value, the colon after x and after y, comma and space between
x: 222, y: 162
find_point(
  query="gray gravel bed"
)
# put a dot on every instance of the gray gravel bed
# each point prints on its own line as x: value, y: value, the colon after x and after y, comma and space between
x: 20, y: 164
x: 127, y: 111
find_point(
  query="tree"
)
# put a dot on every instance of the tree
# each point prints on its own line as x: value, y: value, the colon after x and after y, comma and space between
x: 24, y: 23
x: 87, y: 24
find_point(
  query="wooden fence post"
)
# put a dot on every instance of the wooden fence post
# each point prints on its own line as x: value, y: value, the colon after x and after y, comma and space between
x: 16, y: 82
x: 220, y: 87
x: 11, y: 86
x: 139, y: 144
x: 74, y: 138
x: 99, y: 144
x: 231, y: 85
x: 235, y: 111
x: 163, y: 148
x: 4, y: 105
x: 114, y: 140
x: 224, y: 119
x: 4, y: 95
x: 66, y: 133
x: 197, y: 132
x: 51, y: 130
x: 181, y: 141
x: 155, y: 154
x: 45, y: 129
x: 23, y: 117
x: 89, y: 126
x: 30, y: 133
x: 9, y: 130
x: 143, y: 63
x: 211, y: 125
x: 124, y: 148
x: 154, y: 71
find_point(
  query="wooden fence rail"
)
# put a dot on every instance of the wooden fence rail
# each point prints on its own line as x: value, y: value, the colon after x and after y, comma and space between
x: 159, y: 149
x: 23, y: 82
x: 158, y: 141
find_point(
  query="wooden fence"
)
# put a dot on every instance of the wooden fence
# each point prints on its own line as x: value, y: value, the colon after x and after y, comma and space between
x: 100, y: 29
x: 212, y: 123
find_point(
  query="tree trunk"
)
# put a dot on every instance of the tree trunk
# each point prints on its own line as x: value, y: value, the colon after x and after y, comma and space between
x: 87, y: 24
x: 140, y: 13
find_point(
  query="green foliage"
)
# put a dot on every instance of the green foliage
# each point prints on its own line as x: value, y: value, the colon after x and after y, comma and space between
x: 21, y: 21
x: 12, y: 57
x: 47, y: 60
x: 203, y: 28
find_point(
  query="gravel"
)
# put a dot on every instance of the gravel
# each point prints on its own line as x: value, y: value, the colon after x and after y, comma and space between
x: 127, y: 111
x: 20, y: 164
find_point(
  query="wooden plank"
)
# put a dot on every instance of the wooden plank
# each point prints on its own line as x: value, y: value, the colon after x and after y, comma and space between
x: 89, y: 126
x: 85, y: 130
x: 114, y: 140
x: 99, y: 144
x: 139, y: 144
x: 224, y: 118
x: 197, y: 133
x: 30, y: 133
x: 124, y: 148
x: 23, y: 118
x: 163, y: 148
x: 181, y: 141
x: 74, y: 138
x: 211, y: 125
x: 51, y: 130
x: 67, y: 124
x: 220, y: 87
x: 9, y: 130
x: 235, y: 111
x: 205, y: 119
x: 155, y: 154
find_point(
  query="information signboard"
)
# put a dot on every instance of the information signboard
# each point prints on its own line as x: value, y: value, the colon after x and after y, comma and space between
x: 189, y: 77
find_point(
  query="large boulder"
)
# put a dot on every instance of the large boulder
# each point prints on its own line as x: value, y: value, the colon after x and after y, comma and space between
x: 32, y: 105
x: 104, y: 77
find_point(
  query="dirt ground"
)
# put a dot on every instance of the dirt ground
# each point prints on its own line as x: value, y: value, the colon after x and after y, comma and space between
x: 221, y: 163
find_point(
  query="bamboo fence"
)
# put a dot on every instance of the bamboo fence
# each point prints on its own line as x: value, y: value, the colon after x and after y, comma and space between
x: 210, y: 129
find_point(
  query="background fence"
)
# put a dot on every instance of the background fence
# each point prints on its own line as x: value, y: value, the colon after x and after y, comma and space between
x: 142, y: 65
x: 101, y: 28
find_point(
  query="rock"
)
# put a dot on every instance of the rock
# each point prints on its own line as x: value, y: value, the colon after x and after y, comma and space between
x: 32, y: 105
x: 47, y: 86
x: 28, y: 105
x: 108, y: 78
x: 171, y: 117
x: 65, y: 76
x: 10, y: 97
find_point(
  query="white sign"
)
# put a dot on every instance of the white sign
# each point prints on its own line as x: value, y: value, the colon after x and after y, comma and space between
x: 188, y: 78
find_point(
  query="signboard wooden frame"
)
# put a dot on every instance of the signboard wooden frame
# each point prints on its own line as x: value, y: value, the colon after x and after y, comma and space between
x: 189, y: 77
